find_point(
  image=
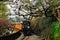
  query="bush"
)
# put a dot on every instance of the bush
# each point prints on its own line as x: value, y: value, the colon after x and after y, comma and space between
x: 4, y: 25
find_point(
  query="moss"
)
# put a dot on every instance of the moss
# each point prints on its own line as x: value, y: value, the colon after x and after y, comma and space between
x: 55, y: 31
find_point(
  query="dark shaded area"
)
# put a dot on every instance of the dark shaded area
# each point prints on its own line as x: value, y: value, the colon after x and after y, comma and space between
x: 27, y: 30
x: 3, y: 0
x: 11, y: 36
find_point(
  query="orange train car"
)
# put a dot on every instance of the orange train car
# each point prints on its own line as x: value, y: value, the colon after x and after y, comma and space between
x: 17, y: 26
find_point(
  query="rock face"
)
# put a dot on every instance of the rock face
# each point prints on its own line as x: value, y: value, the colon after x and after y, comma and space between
x: 40, y: 24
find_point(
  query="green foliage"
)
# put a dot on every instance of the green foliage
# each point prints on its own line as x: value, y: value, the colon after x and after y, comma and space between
x: 40, y: 24
x: 54, y: 3
x: 43, y: 6
x: 3, y: 9
x: 28, y: 1
x: 55, y: 31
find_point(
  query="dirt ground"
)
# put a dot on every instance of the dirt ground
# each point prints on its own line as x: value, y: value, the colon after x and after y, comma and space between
x: 32, y: 37
x: 35, y: 37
